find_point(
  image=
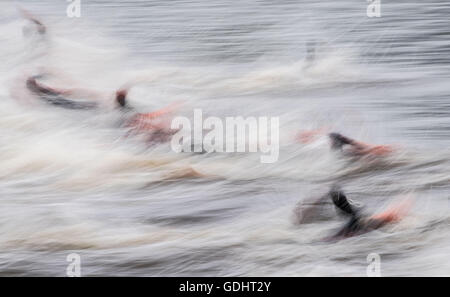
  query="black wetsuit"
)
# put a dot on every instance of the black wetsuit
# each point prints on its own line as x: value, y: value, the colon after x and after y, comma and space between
x: 338, y: 141
x: 55, y: 98
x: 355, y: 224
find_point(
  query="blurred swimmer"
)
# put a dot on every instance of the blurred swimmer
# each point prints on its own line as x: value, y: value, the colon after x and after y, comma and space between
x: 154, y: 124
x: 57, y: 97
x: 358, y: 223
x: 345, y: 144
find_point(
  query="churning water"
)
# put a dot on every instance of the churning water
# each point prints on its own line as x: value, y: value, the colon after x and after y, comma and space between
x: 72, y: 182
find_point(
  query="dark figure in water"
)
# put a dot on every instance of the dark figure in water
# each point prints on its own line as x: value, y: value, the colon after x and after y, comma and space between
x: 56, y: 97
x: 358, y: 223
x: 338, y: 141
x: 153, y: 124
x: 346, y: 144
x: 354, y: 224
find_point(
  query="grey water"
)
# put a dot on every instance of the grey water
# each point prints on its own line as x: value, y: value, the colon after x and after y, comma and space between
x: 72, y: 182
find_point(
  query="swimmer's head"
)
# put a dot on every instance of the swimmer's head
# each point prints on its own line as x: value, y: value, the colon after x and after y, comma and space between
x: 121, y: 98
x: 335, y: 193
x: 31, y: 81
x: 32, y: 84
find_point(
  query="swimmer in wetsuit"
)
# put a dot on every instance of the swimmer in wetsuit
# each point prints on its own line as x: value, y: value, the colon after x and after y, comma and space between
x: 343, y: 143
x: 338, y: 141
x: 151, y: 123
x: 354, y: 224
x: 358, y: 223
x: 56, y: 97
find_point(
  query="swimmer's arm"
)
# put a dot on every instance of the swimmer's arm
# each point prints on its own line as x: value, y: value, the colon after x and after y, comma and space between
x: 85, y: 93
x: 42, y: 89
x: 369, y: 149
x: 145, y: 121
x: 309, y: 135
x: 170, y: 108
